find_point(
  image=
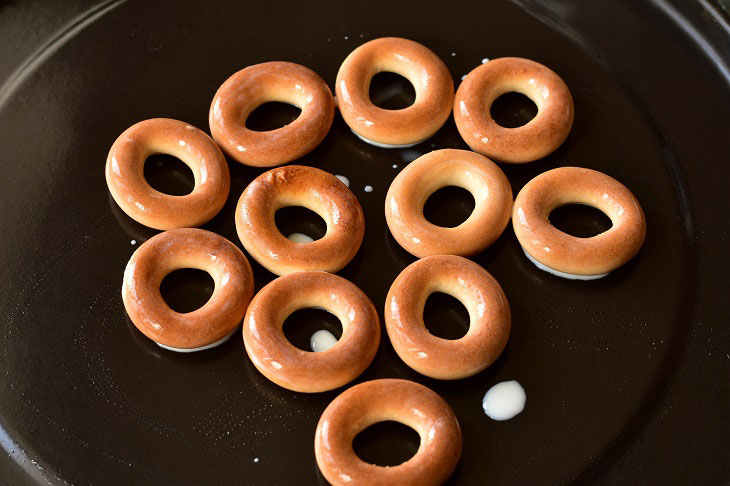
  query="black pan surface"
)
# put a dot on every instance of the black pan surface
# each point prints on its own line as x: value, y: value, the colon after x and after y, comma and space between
x: 626, y: 377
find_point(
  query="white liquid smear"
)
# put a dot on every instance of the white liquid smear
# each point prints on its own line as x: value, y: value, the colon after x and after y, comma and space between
x: 386, y: 145
x: 300, y: 238
x: 504, y: 400
x: 322, y: 340
x: 344, y: 180
x: 201, y: 348
x: 368, y: 188
x: 558, y: 273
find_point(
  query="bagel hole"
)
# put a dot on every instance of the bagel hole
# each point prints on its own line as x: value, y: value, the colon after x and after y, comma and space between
x: 187, y: 289
x: 512, y: 110
x: 169, y: 175
x: 272, y: 115
x: 449, y: 206
x: 387, y: 443
x: 303, y: 323
x: 580, y: 220
x: 445, y: 316
x: 293, y: 220
x: 391, y: 91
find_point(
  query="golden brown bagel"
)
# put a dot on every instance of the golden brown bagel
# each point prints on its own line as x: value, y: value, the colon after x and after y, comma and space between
x: 313, y: 189
x: 569, y: 256
x: 187, y: 248
x: 292, y: 368
x: 534, y: 140
x: 489, y: 317
x: 253, y: 86
x: 412, y: 187
x: 380, y: 400
x: 394, y: 128
x: 126, y: 182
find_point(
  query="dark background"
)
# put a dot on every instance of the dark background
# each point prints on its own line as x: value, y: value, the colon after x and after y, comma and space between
x: 626, y: 377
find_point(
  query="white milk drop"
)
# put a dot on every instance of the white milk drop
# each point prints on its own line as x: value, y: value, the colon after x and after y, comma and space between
x: 133, y: 242
x: 322, y: 340
x: 368, y: 188
x: 344, y: 180
x: 300, y: 238
x: 485, y: 60
x: 201, y: 348
x: 504, y: 400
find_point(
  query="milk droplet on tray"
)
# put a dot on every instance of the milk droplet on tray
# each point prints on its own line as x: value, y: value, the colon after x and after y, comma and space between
x: 300, y: 238
x: 322, y: 340
x: 504, y: 400
x: 368, y: 188
x: 344, y: 180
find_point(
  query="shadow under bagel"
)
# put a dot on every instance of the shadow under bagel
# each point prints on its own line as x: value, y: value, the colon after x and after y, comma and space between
x: 136, y: 231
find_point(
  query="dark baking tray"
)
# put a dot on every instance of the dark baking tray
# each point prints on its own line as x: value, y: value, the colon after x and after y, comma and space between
x: 626, y: 377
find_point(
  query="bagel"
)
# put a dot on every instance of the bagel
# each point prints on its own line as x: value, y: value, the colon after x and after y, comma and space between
x: 380, y: 400
x: 125, y: 174
x: 314, y: 189
x: 253, y: 86
x: 202, y: 328
x: 568, y: 256
x: 534, y: 140
x: 394, y: 128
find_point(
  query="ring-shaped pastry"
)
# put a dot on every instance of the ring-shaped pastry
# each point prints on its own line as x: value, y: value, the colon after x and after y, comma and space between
x: 253, y: 86
x: 125, y: 174
x: 394, y: 128
x: 449, y: 167
x: 568, y: 256
x: 314, y: 189
x: 381, y: 400
x: 303, y: 371
x: 489, y: 317
x: 534, y: 140
x: 202, y: 328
